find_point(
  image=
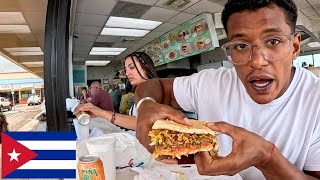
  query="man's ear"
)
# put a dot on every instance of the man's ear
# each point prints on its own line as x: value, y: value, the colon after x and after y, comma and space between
x: 296, y: 45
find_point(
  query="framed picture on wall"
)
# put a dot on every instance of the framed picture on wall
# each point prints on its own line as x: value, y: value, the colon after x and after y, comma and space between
x: 105, y: 81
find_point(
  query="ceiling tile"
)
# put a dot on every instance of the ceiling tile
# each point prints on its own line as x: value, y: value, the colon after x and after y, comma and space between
x: 82, y: 43
x: 123, y: 44
x: 204, y: 6
x: 159, y: 14
x: 89, y: 30
x: 301, y: 4
x: 78, y: 59
x: 108, y: 38
x: 95, y: 57
x: 181, y: 18
x: 160, y: 3
x: 90, y: 19
x: 84, y: 37
x: 81, y: 49
x: 314, y: 2
x: 144, y: 40
x: 154, y: 34
x: 146, y: 2
x: 79, y: 55
x: 103, y: 44
x: 309, y: 11
x: 103, y: 7
x: 165, y: 27
x: 128, y: 9
x: 221, y: 2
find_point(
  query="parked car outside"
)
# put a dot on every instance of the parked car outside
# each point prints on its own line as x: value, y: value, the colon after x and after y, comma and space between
x: 5, y: 104
x: 34, y: 99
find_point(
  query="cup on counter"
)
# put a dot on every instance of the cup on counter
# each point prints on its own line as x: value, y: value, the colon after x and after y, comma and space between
x: 81, y: 131
x: 105, y: 148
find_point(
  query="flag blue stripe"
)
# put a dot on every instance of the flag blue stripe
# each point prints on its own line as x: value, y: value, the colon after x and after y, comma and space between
x: 42, y: 173
x: 42, y: 136
x: 55, y: 155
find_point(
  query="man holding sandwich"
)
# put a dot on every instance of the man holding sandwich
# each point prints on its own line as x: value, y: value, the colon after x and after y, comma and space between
x: 267, y: 110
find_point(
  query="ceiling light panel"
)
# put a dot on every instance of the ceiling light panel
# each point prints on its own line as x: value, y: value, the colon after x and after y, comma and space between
x: 27, y: 53
x: 25, y: 49
x: 124, y: 32
x: 97, y: 63
x: 132, y: 23
x: 33, y: 63
x: 14, y: 29
x: 104, y: 53
x: 109, y: 49
x: 12, y: 18
x: 313, y: 44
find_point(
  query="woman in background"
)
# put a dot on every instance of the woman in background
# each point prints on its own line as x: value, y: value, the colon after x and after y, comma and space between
x: 85, y: 97
x: 139, y: 68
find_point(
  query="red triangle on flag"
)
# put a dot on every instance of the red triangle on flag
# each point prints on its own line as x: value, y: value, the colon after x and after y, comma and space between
x: 10, y: 145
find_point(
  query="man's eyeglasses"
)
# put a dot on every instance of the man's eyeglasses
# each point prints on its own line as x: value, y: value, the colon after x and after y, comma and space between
x: 273, y: 48
x: 93, y: 87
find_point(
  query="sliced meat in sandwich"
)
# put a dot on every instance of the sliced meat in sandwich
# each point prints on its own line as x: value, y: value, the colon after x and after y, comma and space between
x: 173, y: 139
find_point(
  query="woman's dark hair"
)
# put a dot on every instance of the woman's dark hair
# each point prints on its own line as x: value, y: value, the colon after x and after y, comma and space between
x: 235, y: 6
x: 84, y: 88
x: 146, y: 64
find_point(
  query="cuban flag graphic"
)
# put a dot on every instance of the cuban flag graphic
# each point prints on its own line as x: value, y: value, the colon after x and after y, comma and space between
x: 39, y: 155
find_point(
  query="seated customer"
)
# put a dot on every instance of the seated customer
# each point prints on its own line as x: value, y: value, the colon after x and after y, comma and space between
x: 100, y: 98
x: 124, y: 104
x: 139, y: 68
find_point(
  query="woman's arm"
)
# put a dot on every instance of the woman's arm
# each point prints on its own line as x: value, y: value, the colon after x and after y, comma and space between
x: 126, y: 121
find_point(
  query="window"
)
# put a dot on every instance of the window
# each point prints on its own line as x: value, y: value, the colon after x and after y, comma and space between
x: 303, y: 59
x: 316, y: 58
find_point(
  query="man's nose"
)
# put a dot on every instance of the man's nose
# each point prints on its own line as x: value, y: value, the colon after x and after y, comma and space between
x: 258, y: 57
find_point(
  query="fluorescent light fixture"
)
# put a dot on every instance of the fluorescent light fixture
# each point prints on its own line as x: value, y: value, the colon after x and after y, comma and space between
x: 124, y: 32
x: 109, y: 49
x: 106, y: 51
x: 14, y: 29
x: 96, y: 63
x: 12, y: 18
x: 131, y: 23
x: 27, y: 53
x: 33, y: 63
x: 313, y: 44
x: 22, y: 49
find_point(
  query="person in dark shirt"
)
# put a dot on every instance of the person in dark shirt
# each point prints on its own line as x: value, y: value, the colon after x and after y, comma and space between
x: 100, y: 98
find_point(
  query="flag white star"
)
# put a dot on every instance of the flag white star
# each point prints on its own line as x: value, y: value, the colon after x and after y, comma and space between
x: 14, y: 155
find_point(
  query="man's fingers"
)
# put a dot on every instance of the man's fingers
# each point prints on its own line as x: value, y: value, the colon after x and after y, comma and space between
x: 178, y: 117
x: 144, y: 139
x: 225, y: 128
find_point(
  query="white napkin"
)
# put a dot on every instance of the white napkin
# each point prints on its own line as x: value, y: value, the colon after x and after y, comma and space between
x: 176, y: 172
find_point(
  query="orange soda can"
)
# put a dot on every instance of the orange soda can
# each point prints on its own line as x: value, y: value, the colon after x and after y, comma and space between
x: 90, y: 167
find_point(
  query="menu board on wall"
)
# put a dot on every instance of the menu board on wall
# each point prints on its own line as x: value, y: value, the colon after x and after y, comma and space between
x: 190, y: 38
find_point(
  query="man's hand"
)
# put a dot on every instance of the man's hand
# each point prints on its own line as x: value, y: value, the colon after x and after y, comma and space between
x: 248, y: 149
x: 148, y: 113
x: 92, y: 110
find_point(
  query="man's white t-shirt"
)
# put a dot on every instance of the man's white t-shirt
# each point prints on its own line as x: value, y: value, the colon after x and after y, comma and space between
x: 291, y: 122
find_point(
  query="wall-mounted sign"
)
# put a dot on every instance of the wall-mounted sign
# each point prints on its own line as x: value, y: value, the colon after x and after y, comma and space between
x: 190, y: 38
x: 78, y: 76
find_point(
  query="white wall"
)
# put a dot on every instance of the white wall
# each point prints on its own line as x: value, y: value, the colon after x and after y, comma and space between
x: 213, y: 56
x: 96, y: 72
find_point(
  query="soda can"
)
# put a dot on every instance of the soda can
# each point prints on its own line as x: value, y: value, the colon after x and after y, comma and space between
x: 83, y: 118
x: 90, y: 167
